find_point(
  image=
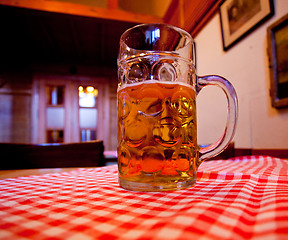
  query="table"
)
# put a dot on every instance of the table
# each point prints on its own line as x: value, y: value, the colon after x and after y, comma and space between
x: 239, y: 198
x: 26, y: 172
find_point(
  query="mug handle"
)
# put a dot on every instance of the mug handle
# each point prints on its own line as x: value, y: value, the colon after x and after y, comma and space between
x: 209, y: 151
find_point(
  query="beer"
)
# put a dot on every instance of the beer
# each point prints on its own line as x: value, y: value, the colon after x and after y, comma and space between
x: 157, y: 145
x: 157, y: 135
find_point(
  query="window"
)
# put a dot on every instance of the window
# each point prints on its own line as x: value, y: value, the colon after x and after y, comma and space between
x: 88, y: 112
x: 73, y: 110
x: 87, y: 96
x: 55, y: 114
x: 55, y: 95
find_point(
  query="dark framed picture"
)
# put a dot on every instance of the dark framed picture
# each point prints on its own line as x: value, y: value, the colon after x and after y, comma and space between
x: 277, y: 35
x: 239, y: 17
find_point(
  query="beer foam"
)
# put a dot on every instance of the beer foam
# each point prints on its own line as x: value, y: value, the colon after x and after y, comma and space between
x: 122, y: 86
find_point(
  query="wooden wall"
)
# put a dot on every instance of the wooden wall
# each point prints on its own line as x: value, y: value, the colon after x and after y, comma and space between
x: 15, y: 107
x: 18, y: 109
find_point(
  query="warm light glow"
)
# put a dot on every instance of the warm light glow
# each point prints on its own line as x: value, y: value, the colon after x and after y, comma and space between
x: 90, y: 89
x: 80, y: 91
x: 96, y: 92
x: 87, y: 96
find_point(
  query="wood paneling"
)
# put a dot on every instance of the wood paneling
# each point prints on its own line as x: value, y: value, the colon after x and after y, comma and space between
x: 52, y: 32
x: 280, y: 153
x: 191, y: 15
x: 111, y: 13
x: 30, y: 37
x: 15, y: 116
x: 15, y: 106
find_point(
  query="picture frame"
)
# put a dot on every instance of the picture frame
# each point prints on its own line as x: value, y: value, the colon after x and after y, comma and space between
x: 239, y: 17
x: 277, y: 35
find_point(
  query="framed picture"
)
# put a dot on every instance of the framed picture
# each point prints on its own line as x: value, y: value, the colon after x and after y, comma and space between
x: 239, y: 17
x: 277, y: 35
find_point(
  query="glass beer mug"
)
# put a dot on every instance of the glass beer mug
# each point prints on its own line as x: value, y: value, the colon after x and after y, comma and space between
x: 157, y: 129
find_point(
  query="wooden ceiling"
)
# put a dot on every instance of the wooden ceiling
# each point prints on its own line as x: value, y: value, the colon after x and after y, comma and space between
x: 40, y: 38
x: 53, y: 32
x: 191, y: 15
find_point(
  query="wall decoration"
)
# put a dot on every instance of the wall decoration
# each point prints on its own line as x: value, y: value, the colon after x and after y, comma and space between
x: 239, y: 17
x: 277, y: 35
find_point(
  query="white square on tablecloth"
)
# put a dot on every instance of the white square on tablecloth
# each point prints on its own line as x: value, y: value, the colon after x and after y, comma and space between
x: 24, y: 207
x: 54, y: 231
x: 150, y: 222
x: 124, y: 218
x: 265, y: 227
x: 9, y: 203
x: 61, y: 205
x: 154, y: 204
x: 6, y: 234
x: 230, y: 221
x: 118, y: 206
x: 57, y: 215
x: 79, y: 236
x: 100, y: 213
x: 39, y: 211
x: 133, y: 234
x: 220, y: 231
x: 105, y: 227
x: 237, y: 209
x: 166, y: 214
x: 79, y: 208
x: 98, y: 203
x: 13, y: 218
x: 32, y: 224
x: 80, y: 220
x: 183, y: 220
x: 140, y: 210
x: 169, y: 233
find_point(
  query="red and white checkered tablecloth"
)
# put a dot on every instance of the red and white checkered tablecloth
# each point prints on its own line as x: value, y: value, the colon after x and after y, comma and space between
x: 240, y: 198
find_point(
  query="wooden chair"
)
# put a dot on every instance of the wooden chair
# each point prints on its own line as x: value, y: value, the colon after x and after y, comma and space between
x: 29, y: 156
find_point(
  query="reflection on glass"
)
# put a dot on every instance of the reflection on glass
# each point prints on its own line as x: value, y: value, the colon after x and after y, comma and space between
x: 87, y: 96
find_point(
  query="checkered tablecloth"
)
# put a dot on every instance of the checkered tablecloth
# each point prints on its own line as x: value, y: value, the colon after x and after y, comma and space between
x: 240, y: 198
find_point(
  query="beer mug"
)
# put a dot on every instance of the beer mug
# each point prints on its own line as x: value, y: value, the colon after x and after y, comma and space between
x: 157, y: 129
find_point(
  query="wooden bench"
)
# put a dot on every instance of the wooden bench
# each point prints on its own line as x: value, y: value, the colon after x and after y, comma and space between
x: 30, y: 156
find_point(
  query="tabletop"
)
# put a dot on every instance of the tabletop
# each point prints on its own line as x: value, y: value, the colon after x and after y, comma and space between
x: 239, y: 198
x: 37, y: 171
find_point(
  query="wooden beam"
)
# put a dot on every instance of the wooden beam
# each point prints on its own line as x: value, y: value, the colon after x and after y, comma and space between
x: 195, y: 27
x: 172, y: 15
x: 171, y: 10
x: 191, y: 15
x: 181, y: 10
x: 112, y: 4
x: 111, y: 13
